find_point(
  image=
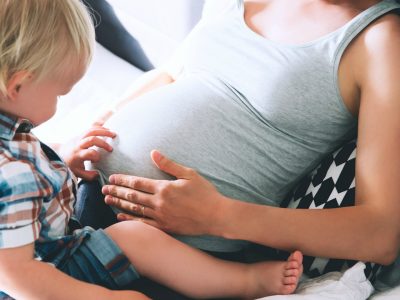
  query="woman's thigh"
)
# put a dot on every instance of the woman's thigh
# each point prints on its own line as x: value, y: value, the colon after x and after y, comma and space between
x: 111, y: 33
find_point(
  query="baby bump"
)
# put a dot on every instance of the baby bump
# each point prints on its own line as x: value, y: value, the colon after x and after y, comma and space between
x: 196, y: 126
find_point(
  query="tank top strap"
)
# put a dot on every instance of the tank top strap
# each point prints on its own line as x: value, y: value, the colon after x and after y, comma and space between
x: 352, y: 29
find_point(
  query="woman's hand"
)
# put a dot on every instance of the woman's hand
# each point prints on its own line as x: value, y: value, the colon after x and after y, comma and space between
x: 188, y: 205
x: 83, y: 152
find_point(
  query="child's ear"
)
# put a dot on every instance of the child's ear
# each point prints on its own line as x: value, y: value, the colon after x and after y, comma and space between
x: 15, y: 82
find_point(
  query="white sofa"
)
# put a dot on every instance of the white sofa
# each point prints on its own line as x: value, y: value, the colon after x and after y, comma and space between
x: 159, y: 26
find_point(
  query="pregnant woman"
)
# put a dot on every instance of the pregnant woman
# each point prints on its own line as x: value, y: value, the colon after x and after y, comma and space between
x: 256, y: 96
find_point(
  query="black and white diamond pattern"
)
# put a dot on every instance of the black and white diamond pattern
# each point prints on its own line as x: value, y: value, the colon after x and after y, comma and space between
x: 330, y: 185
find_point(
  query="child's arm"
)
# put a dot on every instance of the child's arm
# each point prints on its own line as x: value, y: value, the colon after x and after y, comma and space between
x: 23, y: 277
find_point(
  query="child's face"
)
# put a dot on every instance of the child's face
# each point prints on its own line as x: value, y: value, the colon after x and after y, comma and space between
x: 37, y: 100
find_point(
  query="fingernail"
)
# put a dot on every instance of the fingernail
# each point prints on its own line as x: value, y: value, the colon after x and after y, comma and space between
x: 104, y: 189
x: 157, y: 155
x: 108, y: 199
x: 111, y: 179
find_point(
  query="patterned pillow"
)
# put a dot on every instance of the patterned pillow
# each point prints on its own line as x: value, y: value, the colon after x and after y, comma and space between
x: 330, y: 185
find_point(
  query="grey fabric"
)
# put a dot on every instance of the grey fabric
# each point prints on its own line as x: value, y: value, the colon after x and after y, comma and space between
x: 251, y: 115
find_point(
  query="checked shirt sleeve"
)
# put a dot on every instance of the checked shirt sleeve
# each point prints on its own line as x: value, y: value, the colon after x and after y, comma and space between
x: 20, y: 204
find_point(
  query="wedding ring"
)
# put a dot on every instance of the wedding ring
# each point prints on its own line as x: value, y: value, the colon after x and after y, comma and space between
x: 142, y: 209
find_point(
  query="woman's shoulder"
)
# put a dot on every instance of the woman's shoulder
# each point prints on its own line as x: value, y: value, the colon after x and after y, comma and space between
x: 376, y: 60
x: 387, y: 26
x: 372, y: 56
x: 378, y: 42
x: 381, y: 40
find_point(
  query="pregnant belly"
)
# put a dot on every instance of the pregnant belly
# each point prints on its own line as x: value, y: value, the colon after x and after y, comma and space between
x: 200, y: 127
x: 195, y: 125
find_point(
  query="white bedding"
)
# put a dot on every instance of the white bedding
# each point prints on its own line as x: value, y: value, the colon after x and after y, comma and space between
x: 391, y: 294
x: 350, y: 285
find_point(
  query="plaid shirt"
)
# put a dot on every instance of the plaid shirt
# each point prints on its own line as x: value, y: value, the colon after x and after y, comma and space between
x: 36, y: 192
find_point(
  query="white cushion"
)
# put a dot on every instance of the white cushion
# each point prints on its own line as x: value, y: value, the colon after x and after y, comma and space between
x: 158, y: 25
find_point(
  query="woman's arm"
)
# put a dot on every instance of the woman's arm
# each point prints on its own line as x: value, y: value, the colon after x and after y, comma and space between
x: 22, y: 277
x: 369, y: 231
x: 147, y: 82
x: 191, y: 205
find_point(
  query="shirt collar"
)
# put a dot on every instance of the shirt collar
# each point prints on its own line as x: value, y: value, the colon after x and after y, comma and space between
x: 10, y: 125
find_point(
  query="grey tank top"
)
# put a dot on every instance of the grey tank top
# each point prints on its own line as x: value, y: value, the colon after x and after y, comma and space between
x: 251, y: 115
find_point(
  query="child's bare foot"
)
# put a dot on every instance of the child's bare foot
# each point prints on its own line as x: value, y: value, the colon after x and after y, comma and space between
x: 275, y: 277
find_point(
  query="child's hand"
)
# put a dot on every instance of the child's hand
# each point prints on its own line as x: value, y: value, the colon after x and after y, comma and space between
x: 82, y: 152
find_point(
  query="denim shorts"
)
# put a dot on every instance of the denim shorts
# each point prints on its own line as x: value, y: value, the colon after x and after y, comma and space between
x: 100, y: 261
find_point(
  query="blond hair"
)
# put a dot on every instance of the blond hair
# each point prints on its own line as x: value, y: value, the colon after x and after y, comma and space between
x: 38, y: 35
